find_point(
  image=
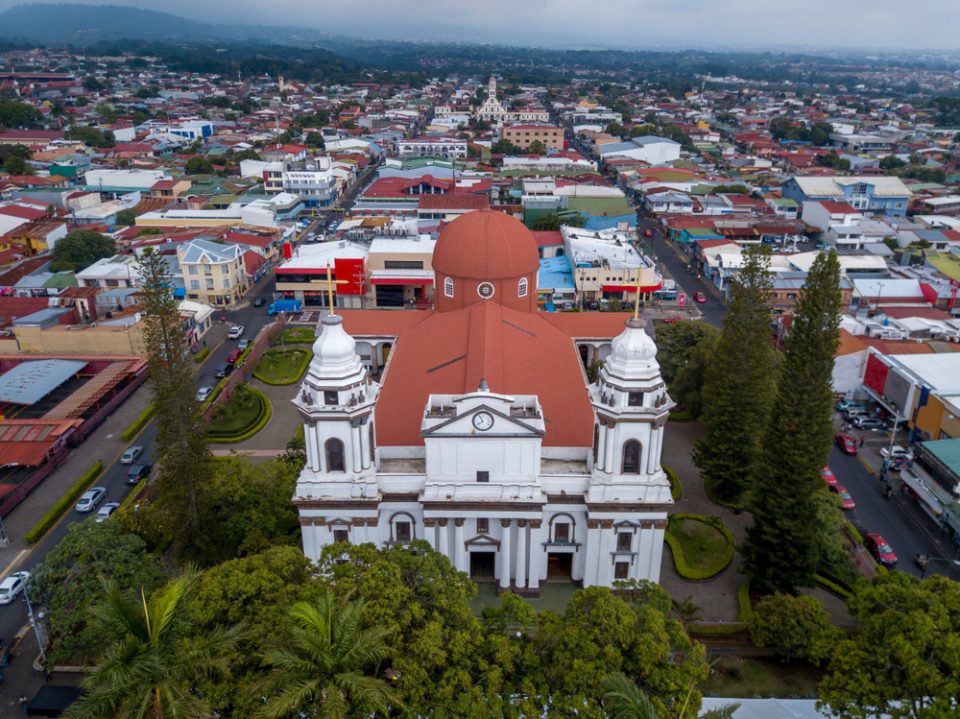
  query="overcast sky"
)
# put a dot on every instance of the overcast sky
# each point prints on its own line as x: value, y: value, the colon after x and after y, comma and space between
x: 873, y: 24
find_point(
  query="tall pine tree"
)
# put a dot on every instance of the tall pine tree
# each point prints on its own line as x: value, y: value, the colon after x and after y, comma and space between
x: 786, y: 542
x: 181, y: 435
x: 739, y: 383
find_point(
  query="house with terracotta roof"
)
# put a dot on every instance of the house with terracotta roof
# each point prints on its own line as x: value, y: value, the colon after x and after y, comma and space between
x: 473, y: 427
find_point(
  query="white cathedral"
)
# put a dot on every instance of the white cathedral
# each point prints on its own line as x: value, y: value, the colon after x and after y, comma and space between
x: 483, y: 436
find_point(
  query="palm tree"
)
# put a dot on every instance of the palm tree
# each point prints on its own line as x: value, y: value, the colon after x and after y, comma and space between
x: 150, y: 669
x: 323, y: 665
x: 622, y: 699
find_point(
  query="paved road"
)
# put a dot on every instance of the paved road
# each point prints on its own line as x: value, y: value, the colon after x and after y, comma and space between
x: 712, y: 310
x: 907, y: 531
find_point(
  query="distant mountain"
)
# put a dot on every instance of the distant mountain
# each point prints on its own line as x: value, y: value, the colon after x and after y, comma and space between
x: 82, y: 25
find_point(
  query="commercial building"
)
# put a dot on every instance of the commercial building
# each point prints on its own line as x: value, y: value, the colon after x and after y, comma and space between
x: 523, y: 136
x: 449, y: 148
x: 869, y: 194
x: 213, y: 273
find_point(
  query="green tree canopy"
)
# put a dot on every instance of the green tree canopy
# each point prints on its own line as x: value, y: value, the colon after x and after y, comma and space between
x: 69, y: 581
x: 198, y: 166
x: 739, y: 382
x: 537, y: 148
x: 80, y: 249
x: 786, y: 544
x: 504, y: 147
x: 16, y: 114
x: 91, y: 136
x: 683, y: 349
x: 15, y: 165
x: 796, y: 626
x: 903, y: 661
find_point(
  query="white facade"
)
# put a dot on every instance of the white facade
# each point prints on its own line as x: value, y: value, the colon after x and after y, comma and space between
x: 482, y: 489
x: 449, y: 148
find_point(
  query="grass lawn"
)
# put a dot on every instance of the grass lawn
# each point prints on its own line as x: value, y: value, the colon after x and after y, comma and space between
x: 553, y: 596
x: 239, y: 414
x: 761, y: 677
x: 282, y: 365
x: 703, y: 546
x: 296, y: 335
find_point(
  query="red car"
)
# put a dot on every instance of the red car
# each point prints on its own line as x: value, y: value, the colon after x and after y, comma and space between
x: 699, y: 297
x: 878, y: 547
x: 234, y: 356
x: 648, y: 233
x: 827, y: 475
x: 672, y: 320
x: 847, y: 444
x: 846, y: 501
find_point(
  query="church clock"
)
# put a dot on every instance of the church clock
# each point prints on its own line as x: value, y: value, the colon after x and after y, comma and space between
x: 483, y: 421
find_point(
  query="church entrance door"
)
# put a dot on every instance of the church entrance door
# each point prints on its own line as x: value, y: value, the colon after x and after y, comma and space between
x: 482, y: 565
x: 560, y: 567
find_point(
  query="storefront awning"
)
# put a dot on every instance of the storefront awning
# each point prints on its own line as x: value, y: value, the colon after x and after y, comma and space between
x: 923, y: 492
x: 631, y: 288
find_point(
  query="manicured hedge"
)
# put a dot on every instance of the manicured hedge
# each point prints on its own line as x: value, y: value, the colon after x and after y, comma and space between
x: 290, y: 377
x: 680, y: 561
x: 834, y: 587
x: 853, y: 532
x: 201, y: 355
x: 676, y: 489
x: 251, y: 429
x: 744, y: 603
x: 63, y: 504
x: 681, y: 415
x: 712, y: 496
x: 139, y: 423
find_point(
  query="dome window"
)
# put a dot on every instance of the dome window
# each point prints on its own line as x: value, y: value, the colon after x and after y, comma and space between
x: 448, y: 287
x: 522, y: 287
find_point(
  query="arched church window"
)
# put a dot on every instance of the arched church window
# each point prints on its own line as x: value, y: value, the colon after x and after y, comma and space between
x: 631, y: 457
x: 522, y: 287
x: 334, y: 451
x: 448, y: 287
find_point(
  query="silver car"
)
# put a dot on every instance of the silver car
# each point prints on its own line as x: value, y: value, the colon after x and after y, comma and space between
x: 90, y: 499
x: 12, y: 586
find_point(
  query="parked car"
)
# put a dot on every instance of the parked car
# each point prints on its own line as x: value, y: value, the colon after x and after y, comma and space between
x: 878, y: 547
x: 222, y: 370
x: 844, y: 405
x: 672, y: 319
x: 846, y: 501
x: 203, y: 393
x: 846, y: 443
x: 259, y: 302
x: 12, y: 586
x: 897, y: 453
x: 138, y: 472
x: 242, y: 345
x: 235, y: 332
x: 106, y: 510
x: 699, y: 297
x: 865, y: 421
x: 849, y: 414
x: 234, y: 355
x: 90, y: 499
x: 827, y: 475
x: 130, y: 456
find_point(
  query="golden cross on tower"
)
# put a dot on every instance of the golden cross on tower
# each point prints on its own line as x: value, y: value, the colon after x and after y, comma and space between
x: 636, y: 300
x: 330, y: 283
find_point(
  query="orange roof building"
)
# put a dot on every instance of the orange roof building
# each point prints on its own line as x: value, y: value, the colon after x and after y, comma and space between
x: 474, y: 426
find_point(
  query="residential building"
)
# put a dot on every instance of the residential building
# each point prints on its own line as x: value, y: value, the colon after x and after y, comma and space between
x: 868, y: 194
x: 213, y: 273
x: 449, y: 148
x: 523, y: 136
x: 110, y: 272
x: 649, y: 149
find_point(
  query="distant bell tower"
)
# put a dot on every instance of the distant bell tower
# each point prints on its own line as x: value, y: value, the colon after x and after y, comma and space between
x: 492, y: 87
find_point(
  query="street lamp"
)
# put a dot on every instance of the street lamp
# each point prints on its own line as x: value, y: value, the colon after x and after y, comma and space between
x: 35, y: 623
x: 926, y: 561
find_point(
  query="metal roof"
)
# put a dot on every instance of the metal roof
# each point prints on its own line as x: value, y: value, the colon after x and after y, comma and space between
x: 29, y: 382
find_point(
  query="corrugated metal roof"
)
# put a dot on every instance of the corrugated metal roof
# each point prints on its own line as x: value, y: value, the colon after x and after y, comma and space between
x: 29, y: 382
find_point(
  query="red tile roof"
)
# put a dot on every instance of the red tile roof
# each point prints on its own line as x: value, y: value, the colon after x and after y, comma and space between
x: 454, y: 202
x: 24, y: 213
x: 548, y: 239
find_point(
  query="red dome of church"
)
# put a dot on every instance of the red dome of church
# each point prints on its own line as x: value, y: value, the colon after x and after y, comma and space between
x: 486, y: 244
x: 486, y: 256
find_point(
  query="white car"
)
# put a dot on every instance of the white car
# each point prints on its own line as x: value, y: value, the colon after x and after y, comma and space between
x: 203, y: 393
x: 130, y: 456
x: 106, y: 510
x: 90, y: 499
x: 235, y: 332
x: 897, y: 453
x: 11, y: 587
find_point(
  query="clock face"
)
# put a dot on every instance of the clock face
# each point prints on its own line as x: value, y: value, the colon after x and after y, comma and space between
x: 485, y: 290
x: 483, y: 421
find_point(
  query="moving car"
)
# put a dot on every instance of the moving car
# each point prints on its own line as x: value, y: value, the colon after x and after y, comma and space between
x: 648, y: 233
x: 223, y: 370
x: 878, y: 547
x: 699, y: 297
x: 259, y: 302
x: 827, y: 475
x: 90, y: 499
x: 11, y: 587
x: 865, y: 421
x: 106, y: 510
x: 138, y: 472
x: 203, y: 393
x: 235, y: 332
x: 847, y: 444
x: 130, y: 456
x: 242, y: 345
x: 846, y: 501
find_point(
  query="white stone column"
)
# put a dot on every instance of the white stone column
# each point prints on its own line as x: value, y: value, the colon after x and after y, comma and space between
x: 659, y: 454
x: 645, y: 552
x: 430, y: 533
x: 308, y: 533
x: 609, y: 459
x: 537, y: 555
x: 355, y: 448
x: 313, y: 448
x: 593, y: 553
x: 651, y: 450
x: 505, y: 554
x: 521, y: 572
x: 365, y: 445
x: 601, y: 463
x: 458, y: 560
x: 442, y: 545
x: 604, y: 561
x: 657, y: 557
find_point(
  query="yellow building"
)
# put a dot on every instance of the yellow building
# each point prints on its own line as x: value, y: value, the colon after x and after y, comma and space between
x: 212, y: 273
x: 523, y: 136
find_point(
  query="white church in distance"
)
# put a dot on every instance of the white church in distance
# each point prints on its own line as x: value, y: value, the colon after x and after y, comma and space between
x: 483, y: 436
